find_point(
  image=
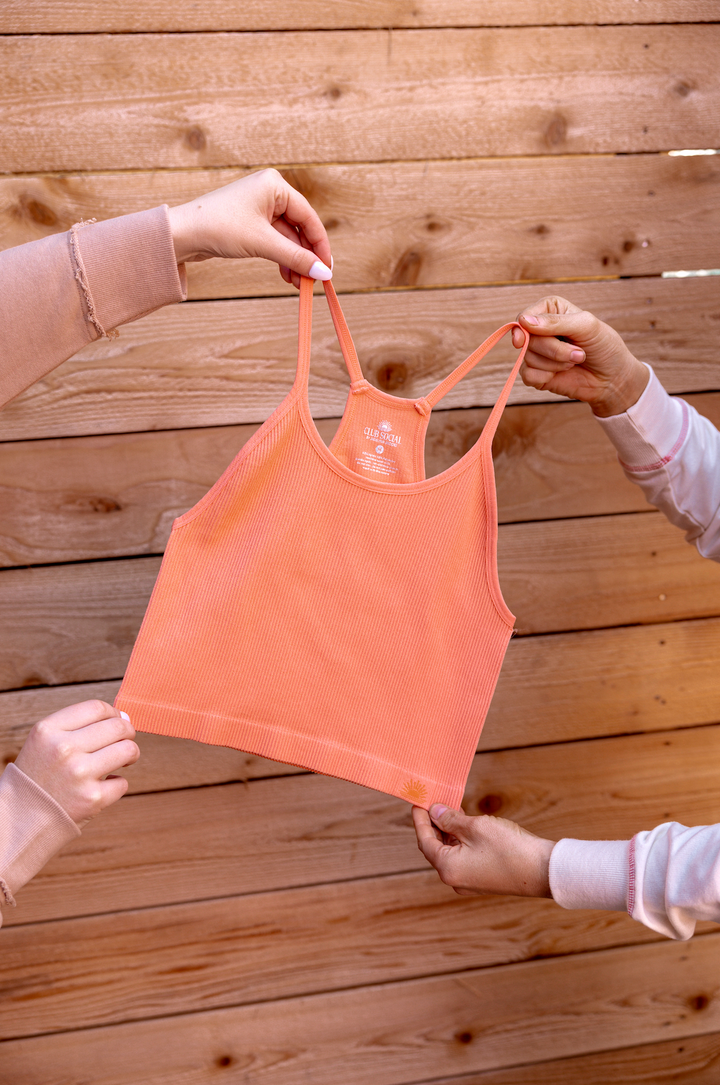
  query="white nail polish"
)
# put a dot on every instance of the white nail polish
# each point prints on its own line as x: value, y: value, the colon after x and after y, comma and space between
x: 320, y: 271
x: 124, y: 715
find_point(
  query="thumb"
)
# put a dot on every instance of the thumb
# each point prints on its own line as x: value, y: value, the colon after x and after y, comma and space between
x: 450, y: 821
x: 273, y: 245
x: 577, y: 326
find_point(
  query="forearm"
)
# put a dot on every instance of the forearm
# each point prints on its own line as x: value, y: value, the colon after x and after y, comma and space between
x: 65, y: 291
x: 33, y: 827
x: 673, y: 454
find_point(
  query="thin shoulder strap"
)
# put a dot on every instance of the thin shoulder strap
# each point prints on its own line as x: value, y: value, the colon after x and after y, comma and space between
x: 343, y: 333
x: 492, y: 423
x: 305, y: 333
x: 444, y: 387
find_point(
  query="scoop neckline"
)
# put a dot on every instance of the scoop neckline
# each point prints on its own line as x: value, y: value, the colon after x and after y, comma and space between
x: 371, y: 484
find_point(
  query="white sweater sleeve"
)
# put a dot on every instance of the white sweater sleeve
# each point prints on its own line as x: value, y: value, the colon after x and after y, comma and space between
x: 673, y: 454
x: 668, y: 878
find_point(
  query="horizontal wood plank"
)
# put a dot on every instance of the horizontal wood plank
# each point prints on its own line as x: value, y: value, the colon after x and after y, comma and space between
x: 690, y: 1060
x: 74, y: 499
x: 556, y: 688
x: 434, y: 223
x: 403, y: 1032
x: 177, y: 846
x: 147, y: 101
x: 225, y: 363
x: 78, y: 623
x: 188, y: 957
x: 69, y: 16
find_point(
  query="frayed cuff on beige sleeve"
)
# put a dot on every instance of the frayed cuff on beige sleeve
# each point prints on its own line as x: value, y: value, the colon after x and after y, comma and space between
x: 590, y: 874
x: 125, y: 268
x: 33, y: 827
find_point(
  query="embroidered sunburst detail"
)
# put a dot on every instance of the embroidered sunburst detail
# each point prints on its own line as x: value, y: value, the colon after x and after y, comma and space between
x: 414, y: 790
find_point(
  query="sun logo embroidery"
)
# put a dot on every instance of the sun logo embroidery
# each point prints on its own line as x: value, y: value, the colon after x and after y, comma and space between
x: 414, y: 790
x: 385, y: 426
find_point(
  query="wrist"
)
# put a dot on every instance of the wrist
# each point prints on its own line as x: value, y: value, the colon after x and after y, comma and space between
x: 536, y: 882
x: 181, y: 228
x: 623, y: 393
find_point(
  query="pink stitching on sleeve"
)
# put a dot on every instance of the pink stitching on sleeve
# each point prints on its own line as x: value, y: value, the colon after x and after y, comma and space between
x: 631, y: 878
x: 81, y: 276
x: 673, y: 451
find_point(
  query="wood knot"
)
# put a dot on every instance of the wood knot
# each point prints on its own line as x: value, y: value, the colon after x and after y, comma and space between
x: 556, y: 131
x: 40, y: 212
x: 490, y: 804
x: 407, y: 269
x: 195, y: 139
x: 541, y: 230
x: 699, y: 1002
x: 683, y: 89
x: 223, y: 1061
x: 464, y: 1037
x: 391, y: 376
x: 333, y: 93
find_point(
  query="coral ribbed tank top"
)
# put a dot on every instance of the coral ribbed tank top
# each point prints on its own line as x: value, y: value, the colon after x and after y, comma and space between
x: 332, y: 607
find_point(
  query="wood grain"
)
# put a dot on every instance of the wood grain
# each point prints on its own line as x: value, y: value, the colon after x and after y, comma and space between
x: 401, y: 1032
x: 691, y: 1060
x: 226, y: 363
x: 603, y: 789
x: 434, y: 223
x: 77, y: 623
x: 68, y: 16
x: 73, y: 499
x: 191, y: 957
x: 146, y: 101
x: 556, y: 688
x: 187, y: 957
x: 207, y: 842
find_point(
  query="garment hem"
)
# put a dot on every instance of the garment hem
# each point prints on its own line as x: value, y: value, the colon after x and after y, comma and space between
x: 289, y: 747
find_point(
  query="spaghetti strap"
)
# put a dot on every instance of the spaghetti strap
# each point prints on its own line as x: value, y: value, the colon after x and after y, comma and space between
x: 492, y: 423
x: 341, y: 329
x: 434, y: 397
x: 302, y: 376
x: 343, y: 333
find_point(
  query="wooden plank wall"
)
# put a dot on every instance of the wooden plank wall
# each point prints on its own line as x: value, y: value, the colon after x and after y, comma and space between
x: 237, y: 920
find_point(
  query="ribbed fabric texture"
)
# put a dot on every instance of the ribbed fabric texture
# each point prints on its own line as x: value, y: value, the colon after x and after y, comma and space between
x: 332, y: 608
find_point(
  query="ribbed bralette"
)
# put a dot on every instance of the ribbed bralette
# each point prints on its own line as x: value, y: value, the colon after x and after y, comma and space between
x: 332, y: 607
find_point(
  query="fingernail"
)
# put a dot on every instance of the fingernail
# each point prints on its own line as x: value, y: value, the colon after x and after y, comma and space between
x: 531, y: 320
x: 437, y: 811
x: 577, y: 355
x: 320, y: 271
x: 332, y: 264
x: 124, y: 715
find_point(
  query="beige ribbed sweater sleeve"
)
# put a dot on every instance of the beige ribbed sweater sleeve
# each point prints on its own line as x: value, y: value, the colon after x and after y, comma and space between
x: 33, y: 827
x: 60, y: 293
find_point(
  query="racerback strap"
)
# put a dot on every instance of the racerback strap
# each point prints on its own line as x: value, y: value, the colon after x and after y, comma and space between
x: 353, y: 365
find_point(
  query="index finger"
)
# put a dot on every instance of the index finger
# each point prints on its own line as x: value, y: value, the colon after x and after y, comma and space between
x: 427, y: 836
x: 551, y: 303
x: 298, y: 212
x: 75, y: 716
